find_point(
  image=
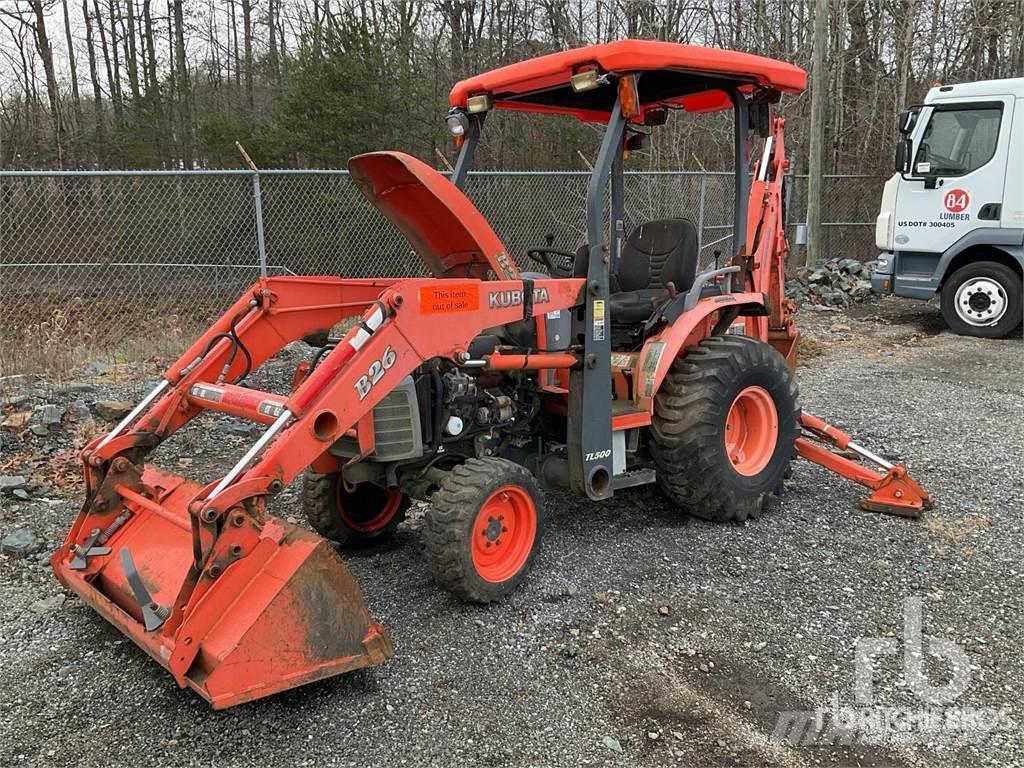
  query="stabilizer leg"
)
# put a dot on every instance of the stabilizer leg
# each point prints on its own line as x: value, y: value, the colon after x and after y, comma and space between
x: 893, y: 492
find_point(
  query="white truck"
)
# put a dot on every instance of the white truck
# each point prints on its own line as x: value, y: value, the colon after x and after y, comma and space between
x: 952, y: 216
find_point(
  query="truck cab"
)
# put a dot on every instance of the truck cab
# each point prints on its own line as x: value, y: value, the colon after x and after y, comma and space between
x: 952, y: 215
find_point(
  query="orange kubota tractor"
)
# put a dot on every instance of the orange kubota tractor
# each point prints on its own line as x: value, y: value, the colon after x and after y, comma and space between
x: 615, y: 366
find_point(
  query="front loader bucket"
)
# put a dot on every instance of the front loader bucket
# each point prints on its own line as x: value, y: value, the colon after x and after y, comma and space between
x: 282, y: 611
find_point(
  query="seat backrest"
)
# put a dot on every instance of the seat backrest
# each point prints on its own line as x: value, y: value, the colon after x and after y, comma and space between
x: 655, y: 253
x: 658, y: 253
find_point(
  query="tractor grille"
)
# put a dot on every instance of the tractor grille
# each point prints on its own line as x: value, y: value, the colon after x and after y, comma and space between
x: 396, y: 423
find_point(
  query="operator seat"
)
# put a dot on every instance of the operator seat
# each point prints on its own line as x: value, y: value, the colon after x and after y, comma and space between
x: 655, y: 254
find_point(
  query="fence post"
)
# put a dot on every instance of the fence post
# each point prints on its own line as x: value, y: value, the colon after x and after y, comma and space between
x: 258, y: 201
x: 700, y: 212
x: 260, y: 242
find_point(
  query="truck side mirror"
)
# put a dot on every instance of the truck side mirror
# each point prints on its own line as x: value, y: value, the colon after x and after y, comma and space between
x: 906, y: 121
x: 903, y: 149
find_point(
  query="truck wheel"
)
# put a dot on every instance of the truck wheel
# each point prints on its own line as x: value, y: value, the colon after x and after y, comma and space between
x: 482, y: 529
x: 724, y: 428
x: 982, y: 299
x: 357, y: 517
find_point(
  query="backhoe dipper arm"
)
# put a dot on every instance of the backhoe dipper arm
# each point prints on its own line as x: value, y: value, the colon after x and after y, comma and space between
x: 764, y: 267
x: 892, y: 490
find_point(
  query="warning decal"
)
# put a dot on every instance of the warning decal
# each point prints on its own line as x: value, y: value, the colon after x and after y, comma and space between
x: 508, y: 271
x: 623, y: 359
x: 650, y: 367
x: 207, y: 392
x: 449, y: 297
x: 599, y: 320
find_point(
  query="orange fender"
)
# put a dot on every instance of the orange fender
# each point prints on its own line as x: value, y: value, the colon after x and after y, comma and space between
x: 662, y: 349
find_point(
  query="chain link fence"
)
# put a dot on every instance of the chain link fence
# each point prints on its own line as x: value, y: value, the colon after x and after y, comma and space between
x: 117, y: 267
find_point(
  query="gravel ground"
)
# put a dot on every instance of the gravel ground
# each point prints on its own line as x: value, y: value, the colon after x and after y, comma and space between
x: 641, y: 639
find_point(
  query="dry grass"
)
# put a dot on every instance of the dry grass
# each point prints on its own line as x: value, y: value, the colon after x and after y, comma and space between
x: 956, y: 538
x: 809, y: 349
x: 957, y: 532
x: 52, y: 338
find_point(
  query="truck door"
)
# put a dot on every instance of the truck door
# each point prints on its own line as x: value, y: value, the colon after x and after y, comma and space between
x: 956, y: 177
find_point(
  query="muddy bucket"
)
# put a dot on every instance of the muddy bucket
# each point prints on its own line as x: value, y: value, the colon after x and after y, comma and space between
x: 271, y: 606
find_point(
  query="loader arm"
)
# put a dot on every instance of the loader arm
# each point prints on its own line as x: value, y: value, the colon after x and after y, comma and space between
x: 235, y: 602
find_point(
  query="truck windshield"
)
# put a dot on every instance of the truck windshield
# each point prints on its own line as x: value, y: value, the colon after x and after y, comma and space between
x: 958, y: 140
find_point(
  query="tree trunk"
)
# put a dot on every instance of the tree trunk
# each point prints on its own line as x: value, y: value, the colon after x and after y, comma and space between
x: 182, y: 80
x: 905, y: 55
x: 152, y: 83
x: 52, y: 93
x: 94, y: 77
x: 76, y: 99
x: 272, y: 36
x: 131, y: 56
x: 317, y: 29
x: 233, y: 33
x: 247, y: 48
x: 115, y: 51
x: 112, y: 89
x: 816, y: 161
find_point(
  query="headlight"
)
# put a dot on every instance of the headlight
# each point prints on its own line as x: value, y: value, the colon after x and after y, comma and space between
x: 457, y: 122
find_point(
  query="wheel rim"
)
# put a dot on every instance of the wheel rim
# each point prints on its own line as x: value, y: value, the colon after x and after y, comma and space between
x: 980, y: 301
x: 751, y: 431
x: 503, y: 533
x: 367, y: 510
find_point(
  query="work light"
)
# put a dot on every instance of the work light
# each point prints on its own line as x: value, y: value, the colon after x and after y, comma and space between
x: 457, y: 122
x: 477, y: 104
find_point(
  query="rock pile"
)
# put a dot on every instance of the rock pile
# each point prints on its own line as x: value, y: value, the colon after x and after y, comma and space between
x: 833, y: 283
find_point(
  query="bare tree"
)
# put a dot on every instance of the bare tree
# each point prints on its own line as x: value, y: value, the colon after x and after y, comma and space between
x: 76, y: 99
x: 94, y: 77
x: 173, y: 95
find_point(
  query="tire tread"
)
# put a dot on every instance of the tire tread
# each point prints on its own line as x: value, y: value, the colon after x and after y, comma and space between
x: 689, y: 410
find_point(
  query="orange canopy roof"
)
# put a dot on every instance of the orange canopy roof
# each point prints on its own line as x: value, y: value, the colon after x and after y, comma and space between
x: 687, y: 76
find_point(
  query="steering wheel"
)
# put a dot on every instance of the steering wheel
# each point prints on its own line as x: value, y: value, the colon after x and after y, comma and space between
x: 547, y: 258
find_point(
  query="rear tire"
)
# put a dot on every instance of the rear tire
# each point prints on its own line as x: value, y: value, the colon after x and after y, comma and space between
x: 483, y: 528
x: 982, y: 299
x: 724, y: 428
x: 355, y: 518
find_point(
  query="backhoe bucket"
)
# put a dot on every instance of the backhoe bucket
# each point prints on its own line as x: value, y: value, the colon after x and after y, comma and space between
x: 272, y: 607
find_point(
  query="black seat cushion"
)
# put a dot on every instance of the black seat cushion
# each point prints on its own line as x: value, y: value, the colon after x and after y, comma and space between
x: 655, y: 254
x: 632, y: 307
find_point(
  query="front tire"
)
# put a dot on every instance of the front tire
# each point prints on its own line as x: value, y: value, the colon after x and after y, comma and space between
x: 483, y: 528
x: 356, y: 517
x: 724, y: 428
x: 982, y: 299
